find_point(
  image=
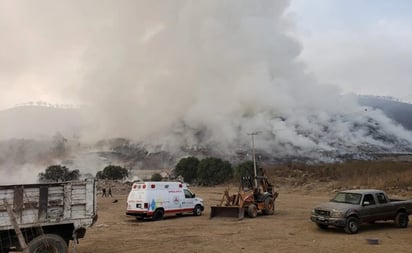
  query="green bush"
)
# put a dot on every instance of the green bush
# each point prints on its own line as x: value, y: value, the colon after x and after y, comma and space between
x: 187, y: 168
x: 213, y: 171
x: 112, y: 172
x: 244, y: 169
x: 156, y: 177
x: 56, y: 173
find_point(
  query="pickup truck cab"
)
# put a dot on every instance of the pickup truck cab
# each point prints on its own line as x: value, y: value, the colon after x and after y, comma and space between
x: 350, y: 208
x: 156, y: 199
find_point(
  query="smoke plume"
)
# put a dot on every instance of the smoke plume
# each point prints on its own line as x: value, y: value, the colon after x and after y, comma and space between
x: 177, y: 74
x: 209, y: 72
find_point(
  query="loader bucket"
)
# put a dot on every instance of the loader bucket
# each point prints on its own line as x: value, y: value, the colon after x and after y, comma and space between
x: 227, y: 211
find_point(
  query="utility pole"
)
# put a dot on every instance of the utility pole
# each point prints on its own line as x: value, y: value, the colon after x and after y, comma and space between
x: 253, y: 154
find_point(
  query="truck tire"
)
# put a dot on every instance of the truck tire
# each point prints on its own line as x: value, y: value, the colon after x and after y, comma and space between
x: 269, y: 206
x: 197, y: 211
x: 47, y: 243
x: 252, y: 211
x: 352, y: 225
x: 158, y: 215
x: 401, y: 220
x: 322, y: 226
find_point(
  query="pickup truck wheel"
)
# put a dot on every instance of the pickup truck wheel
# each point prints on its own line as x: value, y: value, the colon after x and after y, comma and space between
x: 402, y: 220
x: 197, y: 211
x: 48, y: 243
x: 158, y: 215
x: 322, y: 226
x: 252, y: 211
x: 352, y: 225
x: 269, y: 206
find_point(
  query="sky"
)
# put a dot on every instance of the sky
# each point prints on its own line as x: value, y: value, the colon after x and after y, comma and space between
x: 362, y: 46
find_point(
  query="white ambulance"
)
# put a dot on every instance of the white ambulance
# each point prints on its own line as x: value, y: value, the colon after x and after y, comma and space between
x: 157, y: 199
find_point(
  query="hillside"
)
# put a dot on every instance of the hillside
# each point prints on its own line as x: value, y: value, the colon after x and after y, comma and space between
x: 34, y: 137
x: 398, y: 111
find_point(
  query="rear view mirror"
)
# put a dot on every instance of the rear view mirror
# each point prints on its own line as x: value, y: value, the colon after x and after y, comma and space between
x: 194, y: 195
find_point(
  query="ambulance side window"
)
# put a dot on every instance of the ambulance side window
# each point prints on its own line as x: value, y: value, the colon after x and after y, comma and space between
x: 188, y: 194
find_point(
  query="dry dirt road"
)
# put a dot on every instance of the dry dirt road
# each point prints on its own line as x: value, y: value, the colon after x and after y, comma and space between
x: 288, y: 230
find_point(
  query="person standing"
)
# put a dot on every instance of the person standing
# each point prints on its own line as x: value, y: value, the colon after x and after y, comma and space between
x: 110, y: 192
x: 104, y: 192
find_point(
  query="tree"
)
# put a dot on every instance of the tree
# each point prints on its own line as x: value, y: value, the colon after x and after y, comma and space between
x: 187, y: 168
x: 212, y: 171
x: 244, y: 169
x: 59, y: 145
x: 112, y: 172
x: 156, y: 177
x: 58, y: 173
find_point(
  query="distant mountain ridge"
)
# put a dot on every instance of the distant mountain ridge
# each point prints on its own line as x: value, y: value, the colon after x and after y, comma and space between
x: 37, y: 121
x: 398, y: 111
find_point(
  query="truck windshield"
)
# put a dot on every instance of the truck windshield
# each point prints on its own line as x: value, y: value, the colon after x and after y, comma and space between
x: 346, y: 197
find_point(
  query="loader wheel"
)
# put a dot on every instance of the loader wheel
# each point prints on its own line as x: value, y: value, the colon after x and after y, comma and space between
x: 252, y: 211
x: 269, y: 206
x: 47, y: 243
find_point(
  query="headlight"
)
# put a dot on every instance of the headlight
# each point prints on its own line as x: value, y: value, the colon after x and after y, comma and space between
x: 337, y: 214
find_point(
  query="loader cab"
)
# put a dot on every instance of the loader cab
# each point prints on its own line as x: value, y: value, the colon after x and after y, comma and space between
x: 247, y: 183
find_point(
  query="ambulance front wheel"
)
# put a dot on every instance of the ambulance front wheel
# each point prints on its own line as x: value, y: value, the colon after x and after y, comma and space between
x: 197, y: 211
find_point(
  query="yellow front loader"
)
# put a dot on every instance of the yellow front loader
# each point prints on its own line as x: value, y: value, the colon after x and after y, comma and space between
x: 254, y: 195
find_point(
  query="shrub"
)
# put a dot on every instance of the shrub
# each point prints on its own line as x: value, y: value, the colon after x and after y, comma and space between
x: 244, y: 169
x: 112, y: 172
x: 56, y: 173
x: 212, y: 171
x: 156, y: 177
x: 187, y: 168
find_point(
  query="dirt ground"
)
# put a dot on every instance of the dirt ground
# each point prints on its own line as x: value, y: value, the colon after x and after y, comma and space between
x: 288, y: 230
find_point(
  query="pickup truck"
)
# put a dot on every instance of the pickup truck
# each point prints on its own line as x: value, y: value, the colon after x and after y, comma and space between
x: 45, y: 217
x: 350, y: 208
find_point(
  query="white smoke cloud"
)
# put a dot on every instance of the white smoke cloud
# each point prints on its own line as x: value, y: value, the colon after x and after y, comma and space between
x: 210, y: 65
x: 182, y: 73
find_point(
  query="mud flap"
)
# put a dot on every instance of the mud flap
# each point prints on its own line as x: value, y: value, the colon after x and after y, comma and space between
x: 227, y: 211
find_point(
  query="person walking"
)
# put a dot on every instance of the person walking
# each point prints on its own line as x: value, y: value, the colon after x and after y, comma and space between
x: 110, y: 192
x: 104, y: 193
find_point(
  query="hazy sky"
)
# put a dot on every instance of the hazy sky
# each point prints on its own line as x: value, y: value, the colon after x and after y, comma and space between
x: 362, y: 46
